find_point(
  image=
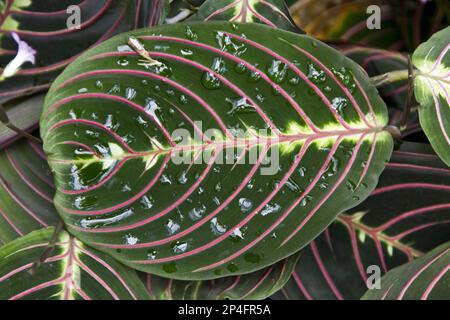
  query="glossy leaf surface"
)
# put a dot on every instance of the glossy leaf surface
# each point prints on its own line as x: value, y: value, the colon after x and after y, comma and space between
x: 26, y: 191
x: 432, y: 90
x: 427, y: 278
x: 72, y: 271
x: 405, y: 217
x: 107, y: 128
x: 257, y: 285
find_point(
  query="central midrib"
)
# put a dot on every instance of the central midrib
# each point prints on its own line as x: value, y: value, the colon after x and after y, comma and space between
x: 225, y: 144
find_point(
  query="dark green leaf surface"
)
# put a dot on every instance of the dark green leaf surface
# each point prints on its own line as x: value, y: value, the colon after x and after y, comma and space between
x: 427, y: 278
x: 406, y: 216
x: 72, y: 271
x: 23, y: 113
x: 273, y: 13
x: 107, y: 128
x: 432, y: 90
x: 151, y: 13
x: 257, y: 285
x: 26, y: 191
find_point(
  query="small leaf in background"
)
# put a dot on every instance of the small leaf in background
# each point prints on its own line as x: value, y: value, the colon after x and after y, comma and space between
x: 257, y: 285
x: 403, y: 24
x: 72, y: 271
x: 406, y: 216
x: 427, y: 278
x: 273, y: 13
x: 56, y: 44
x: 108, y: 123
x: 26, y: 191
x: 432, y: 90
x: 23, y: 113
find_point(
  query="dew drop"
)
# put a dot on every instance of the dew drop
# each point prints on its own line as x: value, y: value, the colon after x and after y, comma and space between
x: 277, y: 71
x: 170, y: 267
x: 197, y: 213
x: 130, y: 239
x: 245, y: 204
x: 270, y: 208
x: 123, y: 61
x: 217, y: 228
x: 180, y: 247
x: 172, y: 227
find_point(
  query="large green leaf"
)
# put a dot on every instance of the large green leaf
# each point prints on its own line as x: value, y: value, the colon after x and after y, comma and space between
x: 274, y: 13
x: 26, y: 191
x: 432, y: 90
x: 107, y: 127
x: 257, y: 285
x: 71, y: 271
x: 56, y: 45
x: 406, y: 216
x: 427, y: 278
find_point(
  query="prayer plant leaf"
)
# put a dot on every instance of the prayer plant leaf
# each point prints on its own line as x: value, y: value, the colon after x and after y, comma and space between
x: 273, y: 13
x: 71, y: 271
x: 257, y: 285
x: 406, y: 216
x: 427, y: 278
x: 432, y: 90
x: 26, y: 191
x: 282, y: 136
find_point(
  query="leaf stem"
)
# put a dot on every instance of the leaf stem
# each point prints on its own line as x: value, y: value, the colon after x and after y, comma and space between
x: 409, y: 100
x: 390, y: 77
x: 49, y: 248
x: 5, y: 120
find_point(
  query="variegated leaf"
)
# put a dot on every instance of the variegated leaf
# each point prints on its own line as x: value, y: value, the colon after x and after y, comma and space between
x: 26, y: 191
x: 270, y: 12
x: 107, y: 128
x: 405, y: 217
x: 432, y: 90
x: 427, y: 278
x: 72, y: 271
x: 257, y: 285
